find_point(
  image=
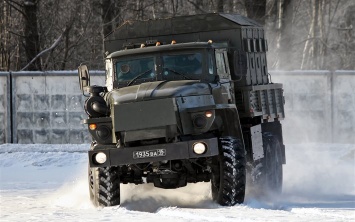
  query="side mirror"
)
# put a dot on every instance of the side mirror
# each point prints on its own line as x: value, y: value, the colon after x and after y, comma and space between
x: 84, y: 77
x: 240, y: 64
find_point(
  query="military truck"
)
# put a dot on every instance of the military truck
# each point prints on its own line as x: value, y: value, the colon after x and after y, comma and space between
x: 187, y: 99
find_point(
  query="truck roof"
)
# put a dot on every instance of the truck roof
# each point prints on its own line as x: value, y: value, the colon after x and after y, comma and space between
x: 168, y: 47
x: 190, y: 28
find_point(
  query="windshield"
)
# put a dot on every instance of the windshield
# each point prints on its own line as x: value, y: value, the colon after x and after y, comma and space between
x: 130, y: 69
x: 182, y: 64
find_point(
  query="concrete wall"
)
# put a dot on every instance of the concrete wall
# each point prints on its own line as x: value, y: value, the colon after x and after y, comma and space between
x: 320, y: 106
x: 343, y: 106
x: 5, y: 127
x: 48, y: 106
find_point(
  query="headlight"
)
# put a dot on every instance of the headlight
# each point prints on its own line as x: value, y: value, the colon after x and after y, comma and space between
x: 103, y: 132
x: 100, y: 157
x: 199, y: 121
x: 199, y: 148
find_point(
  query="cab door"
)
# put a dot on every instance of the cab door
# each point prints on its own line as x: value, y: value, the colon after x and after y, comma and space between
x: 223, y: 72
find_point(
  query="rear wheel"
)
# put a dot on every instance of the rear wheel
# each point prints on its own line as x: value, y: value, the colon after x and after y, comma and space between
x: 104, y: 186
x: 273, y: 163
x: 268, y: 173
x: 228, y: 173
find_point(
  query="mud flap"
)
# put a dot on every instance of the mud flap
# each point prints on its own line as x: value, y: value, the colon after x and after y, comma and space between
x: 257, y: 142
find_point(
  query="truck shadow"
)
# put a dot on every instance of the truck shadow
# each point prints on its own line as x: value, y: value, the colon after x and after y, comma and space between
x: 154, y: 204
x: 147, y: 198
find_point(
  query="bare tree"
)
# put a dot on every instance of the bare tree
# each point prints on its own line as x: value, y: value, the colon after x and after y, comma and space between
x: 345, y: 47
x: 313, y: 34
x: 316, y: 47
x: 4, y: 36
x: 256, y: 10
x: 278, y: 18
x: 28, y: 10
x: 107, y: 16
x: 285, y: 37
x: 44, y: 51
x: 32, y: 45
x: 220, y: 6
x: 198, y: 6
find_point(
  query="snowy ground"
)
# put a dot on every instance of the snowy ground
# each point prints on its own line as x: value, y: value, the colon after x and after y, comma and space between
x: 48, y: 183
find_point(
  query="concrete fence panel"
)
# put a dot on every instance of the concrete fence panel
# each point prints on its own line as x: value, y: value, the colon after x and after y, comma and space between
x: 5, y: 123
x: 319, y: 105
x: 343, y: 106
x: 49, y: 107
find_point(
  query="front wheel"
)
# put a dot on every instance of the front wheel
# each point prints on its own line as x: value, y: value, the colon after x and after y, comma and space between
x: 104, y: 186
x: 228, y: 172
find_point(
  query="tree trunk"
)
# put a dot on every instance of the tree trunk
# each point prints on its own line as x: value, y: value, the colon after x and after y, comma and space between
x: 174, y: 6
x: 198, y: 6
x: 107, y: 16
x: 285, y: 35
x: 321, y: 33
x: 4, y: 53
x: 220, y: 6
x: 313, y: 49
x: 315, y: 36
x: 256, y: 10
x: 32, y: 45
x: 308, y: 45
x: 66, y: 49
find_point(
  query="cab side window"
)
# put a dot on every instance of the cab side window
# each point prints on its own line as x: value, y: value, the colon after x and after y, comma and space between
x: 210, y: 64
x: 222, y: 63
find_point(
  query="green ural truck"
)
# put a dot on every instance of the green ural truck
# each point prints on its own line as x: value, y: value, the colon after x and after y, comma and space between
x: 187, y: 99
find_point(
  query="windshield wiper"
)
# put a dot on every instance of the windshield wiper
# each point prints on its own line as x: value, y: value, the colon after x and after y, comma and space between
x: 176, y: 72
x: 138, y: 76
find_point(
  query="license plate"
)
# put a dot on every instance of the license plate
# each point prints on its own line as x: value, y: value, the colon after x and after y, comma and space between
x: 149, y: 153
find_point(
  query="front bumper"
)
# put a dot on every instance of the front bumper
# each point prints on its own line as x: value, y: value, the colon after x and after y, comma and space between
x: 173, y: 151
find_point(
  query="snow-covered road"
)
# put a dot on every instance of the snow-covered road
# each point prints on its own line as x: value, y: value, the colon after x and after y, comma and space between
x: 48, y: 183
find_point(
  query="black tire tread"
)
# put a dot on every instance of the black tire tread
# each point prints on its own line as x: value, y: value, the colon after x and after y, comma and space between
x: 263, y: 184
x: 105, y: 186
x: 232, y: 187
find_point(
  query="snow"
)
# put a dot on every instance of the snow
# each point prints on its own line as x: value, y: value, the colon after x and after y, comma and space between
x: 42, y: 182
